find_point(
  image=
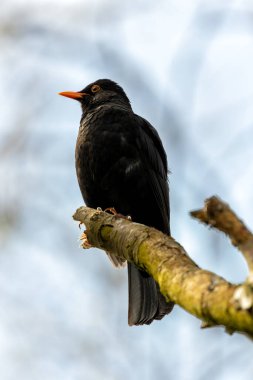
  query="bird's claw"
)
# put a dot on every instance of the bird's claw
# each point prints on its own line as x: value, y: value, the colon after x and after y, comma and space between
x: 111, y: 210
x: 85, y: 244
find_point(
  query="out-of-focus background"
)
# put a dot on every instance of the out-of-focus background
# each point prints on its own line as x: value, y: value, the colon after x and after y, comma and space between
x: 187, y: 68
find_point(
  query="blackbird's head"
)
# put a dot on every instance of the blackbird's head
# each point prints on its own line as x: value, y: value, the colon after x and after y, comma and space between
x: 97, y: 93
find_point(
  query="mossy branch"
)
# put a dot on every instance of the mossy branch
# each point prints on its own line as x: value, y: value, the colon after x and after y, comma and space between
x: 218, y: 214
x: 200, y: 292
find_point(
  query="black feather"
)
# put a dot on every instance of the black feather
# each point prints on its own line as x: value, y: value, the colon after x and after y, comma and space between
x: 121, y: 163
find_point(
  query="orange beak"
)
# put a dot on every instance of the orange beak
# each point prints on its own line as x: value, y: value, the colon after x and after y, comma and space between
x: 73, y: 95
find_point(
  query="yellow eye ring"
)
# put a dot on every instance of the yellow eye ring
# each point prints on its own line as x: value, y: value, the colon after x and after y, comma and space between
x: 95, y: 88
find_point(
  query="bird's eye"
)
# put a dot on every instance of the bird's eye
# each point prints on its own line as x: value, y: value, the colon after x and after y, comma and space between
x: 95, y: 88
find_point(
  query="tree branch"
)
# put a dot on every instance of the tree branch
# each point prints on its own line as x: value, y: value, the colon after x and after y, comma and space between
x: 219, y: 215
x: 200, y: 292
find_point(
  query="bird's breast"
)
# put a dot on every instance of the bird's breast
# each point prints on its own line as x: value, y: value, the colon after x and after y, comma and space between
x: 104, y: 139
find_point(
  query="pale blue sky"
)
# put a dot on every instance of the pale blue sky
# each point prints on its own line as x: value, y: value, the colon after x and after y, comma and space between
x: 187, y: 68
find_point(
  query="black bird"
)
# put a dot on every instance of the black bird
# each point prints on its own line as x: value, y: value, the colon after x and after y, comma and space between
x: 121, y: 163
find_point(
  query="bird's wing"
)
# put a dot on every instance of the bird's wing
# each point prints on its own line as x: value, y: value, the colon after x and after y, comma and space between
x: 155, y: 160
x: 136, y: 162
x: 146, y: 303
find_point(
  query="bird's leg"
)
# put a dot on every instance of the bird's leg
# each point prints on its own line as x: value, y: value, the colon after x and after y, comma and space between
x: 111, y: 210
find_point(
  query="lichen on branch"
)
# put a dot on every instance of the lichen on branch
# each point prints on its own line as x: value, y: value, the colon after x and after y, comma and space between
x: 200, y: 292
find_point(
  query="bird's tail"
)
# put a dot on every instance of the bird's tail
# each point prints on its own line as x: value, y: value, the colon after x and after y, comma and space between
x: 146, y: 302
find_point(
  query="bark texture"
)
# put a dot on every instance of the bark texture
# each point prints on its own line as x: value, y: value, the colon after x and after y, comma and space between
x: 200, y: 292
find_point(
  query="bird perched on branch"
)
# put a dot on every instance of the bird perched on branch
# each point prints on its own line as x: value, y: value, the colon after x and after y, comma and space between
x: 121, y: 164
